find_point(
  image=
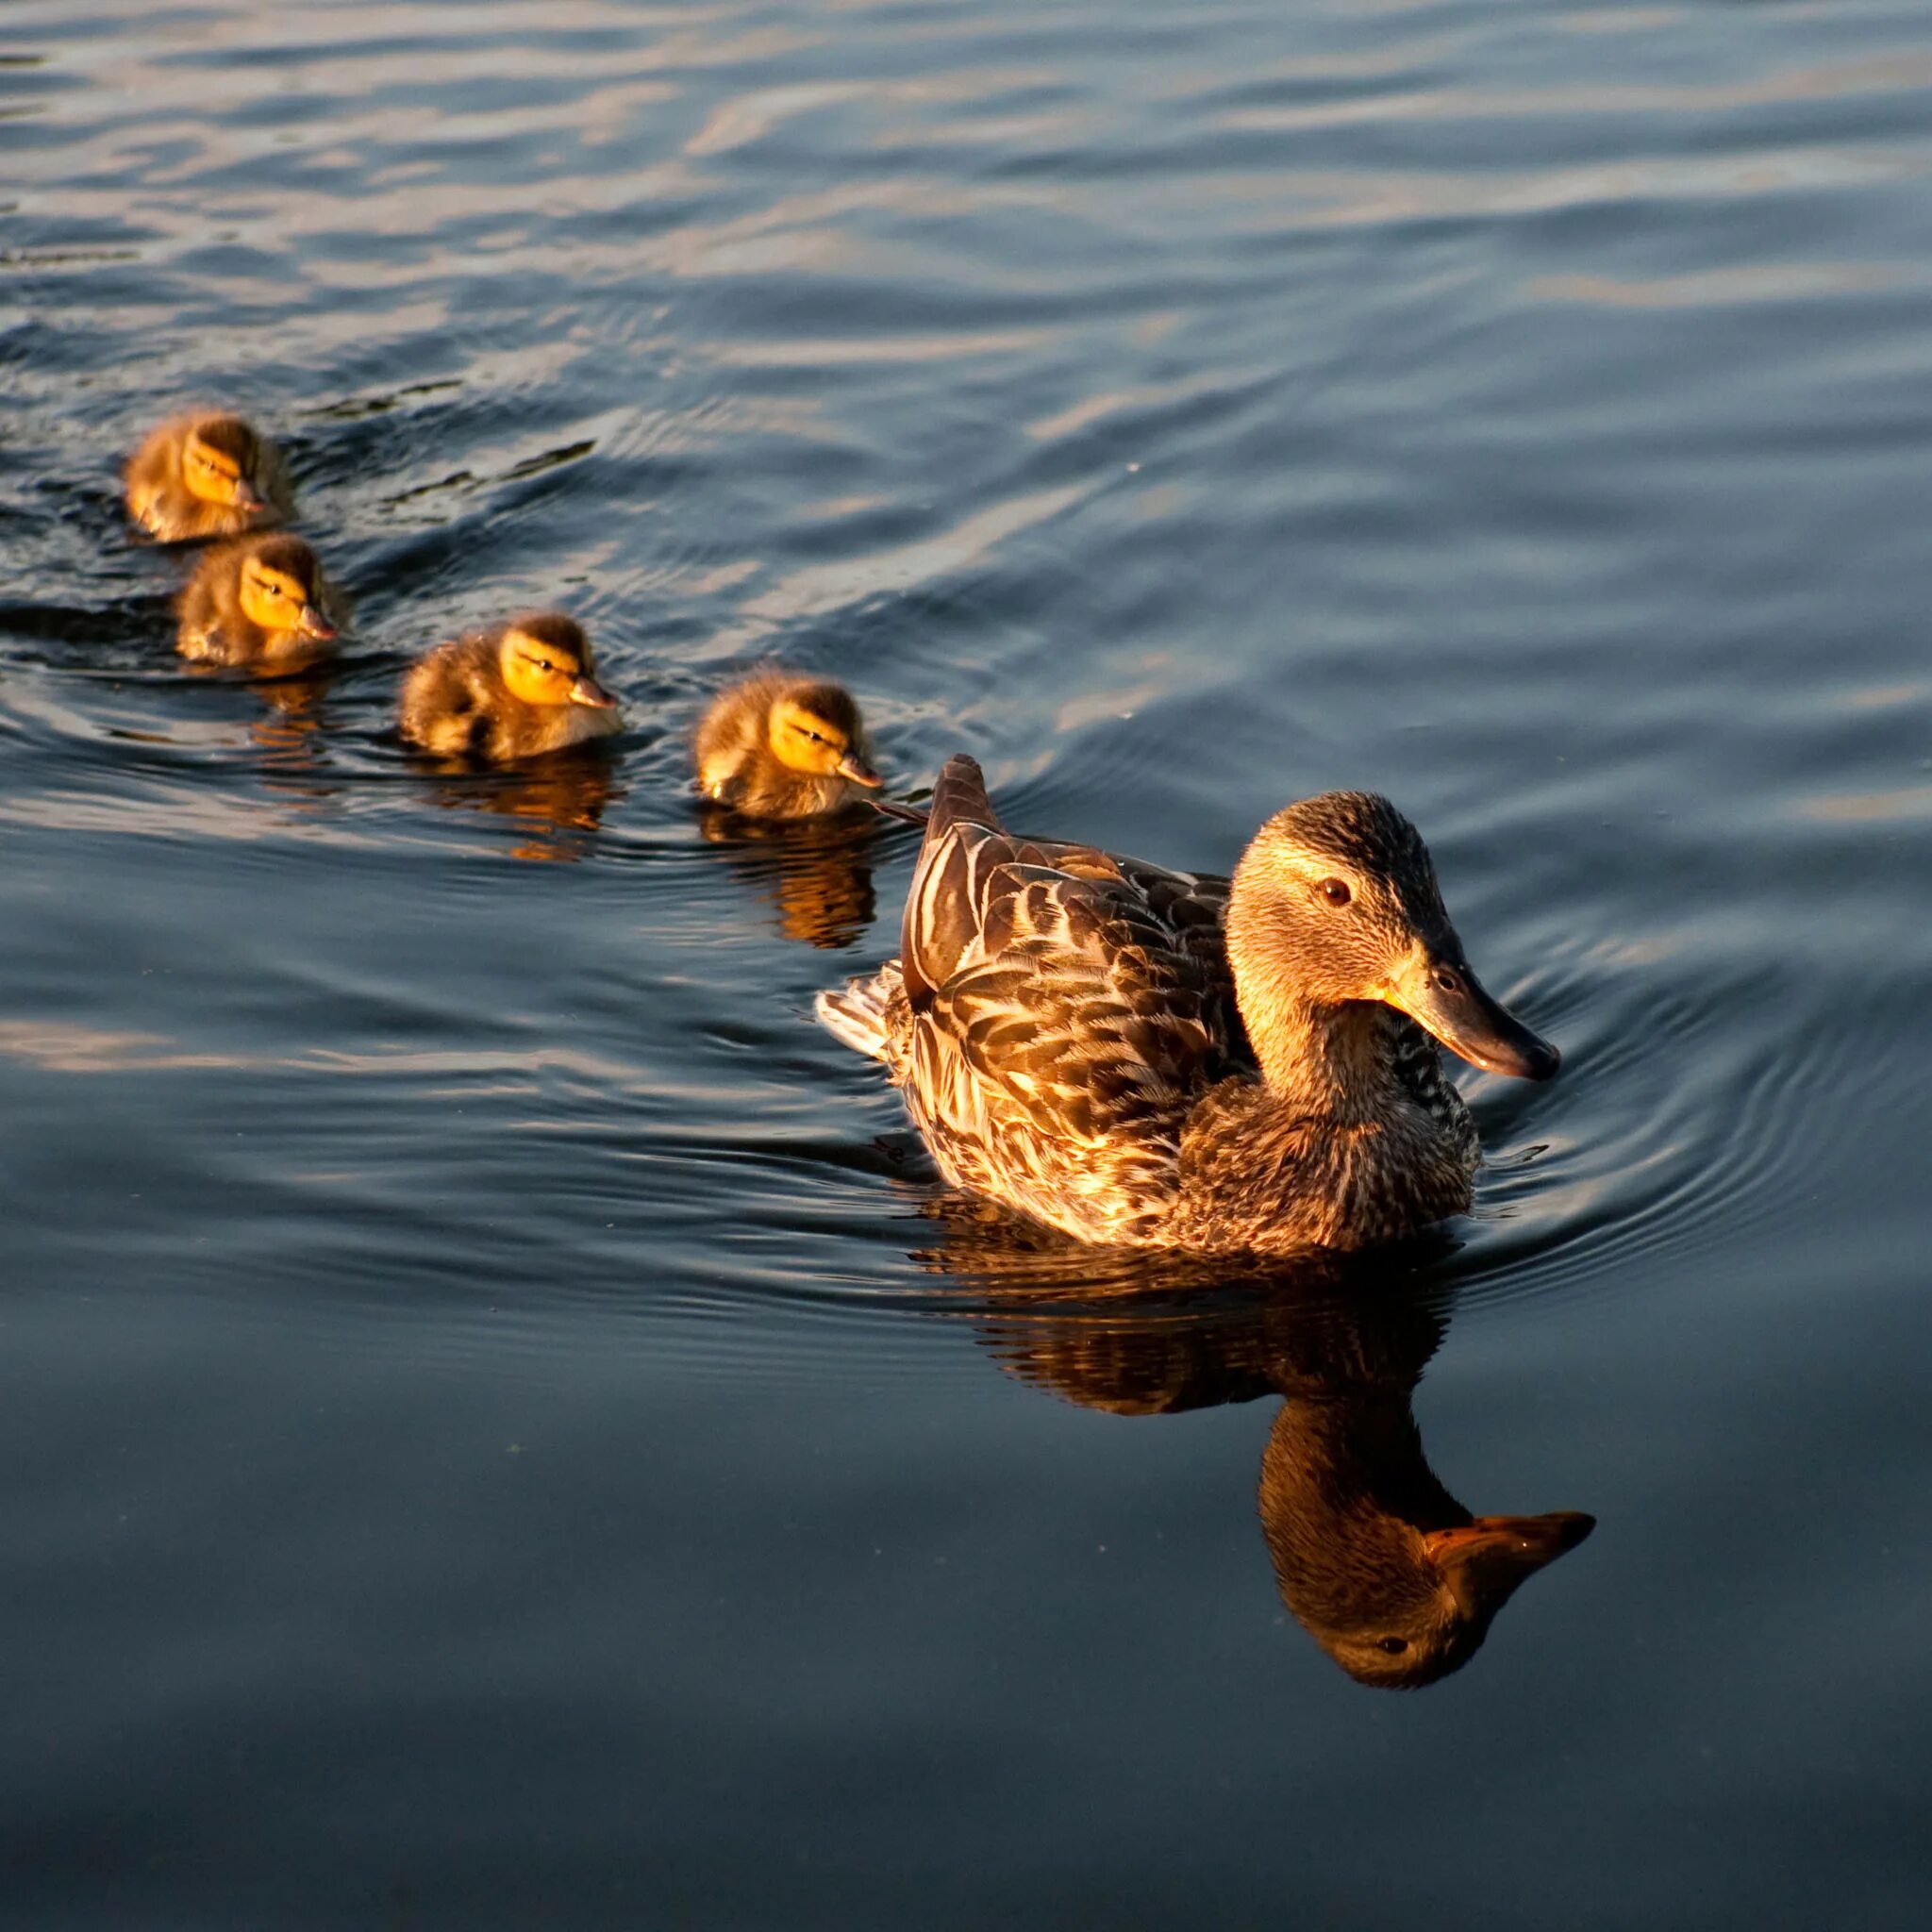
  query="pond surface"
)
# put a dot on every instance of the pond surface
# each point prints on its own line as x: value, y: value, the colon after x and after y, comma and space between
x: 502, y: 1428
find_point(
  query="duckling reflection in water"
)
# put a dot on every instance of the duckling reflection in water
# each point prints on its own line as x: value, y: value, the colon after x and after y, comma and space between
x: 208, y: 474
x: 525, y: 689
x: 1389, y: 1575
x: 560, y: 801
x: 262, y: 602
x: 782, y: 745
x: 817, y: 872
x: 1146, y: 1057
x: 287, y: 730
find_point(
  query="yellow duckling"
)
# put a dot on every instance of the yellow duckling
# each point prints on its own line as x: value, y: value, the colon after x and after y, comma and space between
x: 207, y: 475
x: 781, y: 745
x: 263, y: 601
x: 516, y: 691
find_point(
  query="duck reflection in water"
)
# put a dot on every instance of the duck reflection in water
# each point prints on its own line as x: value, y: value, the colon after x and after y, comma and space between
x: 562, y: 799
x: 1393, y: 1577
x: 816, y: 872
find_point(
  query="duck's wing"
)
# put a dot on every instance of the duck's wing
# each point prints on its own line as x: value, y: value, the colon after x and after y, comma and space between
x: 1067, y: 1011
x: 957, y: 893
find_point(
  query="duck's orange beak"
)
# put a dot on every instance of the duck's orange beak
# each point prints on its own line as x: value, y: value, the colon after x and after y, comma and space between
x: 1484, y: 1562
x: 1439, y: 991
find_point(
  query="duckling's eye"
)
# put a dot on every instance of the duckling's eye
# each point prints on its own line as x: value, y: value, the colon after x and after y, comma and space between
x: 1336, y: 891
x: 1393, y: 1645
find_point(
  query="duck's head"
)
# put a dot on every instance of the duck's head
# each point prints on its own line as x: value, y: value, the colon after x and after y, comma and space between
x: 545, y: 659
x: 221, y: 462
x: 1335, y: 900
x: 816, y: 729
x: 280, y: 589
x: 1417, y: 1605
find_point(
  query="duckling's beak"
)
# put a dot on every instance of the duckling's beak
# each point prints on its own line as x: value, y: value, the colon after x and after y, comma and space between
x: 312, y: 623
x: 247, y: 496
x: 854, y: 767
x: 587, y: 690
x: 1439, y: 991
x: 1484, y: 1562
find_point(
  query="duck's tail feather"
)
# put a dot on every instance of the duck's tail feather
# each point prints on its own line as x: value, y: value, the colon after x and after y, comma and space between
x: 959, y: 795
x: 855, y: 1012
x: 941, y: 914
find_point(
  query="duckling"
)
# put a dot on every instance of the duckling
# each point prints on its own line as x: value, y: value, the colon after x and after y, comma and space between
x: 208, y: 476
x: 1174, y: 1060
x: 263, y: 601
x: 516, y: 691
x: 782, y: 745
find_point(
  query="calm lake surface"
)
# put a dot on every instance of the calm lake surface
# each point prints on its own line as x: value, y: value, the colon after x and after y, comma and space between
x: 501, y: 1427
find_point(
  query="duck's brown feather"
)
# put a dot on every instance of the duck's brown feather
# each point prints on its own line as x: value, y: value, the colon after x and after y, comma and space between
x: 1062, y: 1021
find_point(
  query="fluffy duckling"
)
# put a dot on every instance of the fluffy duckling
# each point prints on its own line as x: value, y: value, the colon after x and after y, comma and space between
x: 516, y: 691
x: 782, y: 745
x: 207, y: 475
x: 261, y: 601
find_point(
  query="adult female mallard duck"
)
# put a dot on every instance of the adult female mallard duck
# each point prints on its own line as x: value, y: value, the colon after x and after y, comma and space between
x: 782, y: 745
x: 1170, y: 1059
x: 207, y: 475
x: 261, y: 601
x: 517, y: 692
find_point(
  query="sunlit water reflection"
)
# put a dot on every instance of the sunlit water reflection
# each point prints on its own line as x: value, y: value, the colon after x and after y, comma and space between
x: 503, y: 1428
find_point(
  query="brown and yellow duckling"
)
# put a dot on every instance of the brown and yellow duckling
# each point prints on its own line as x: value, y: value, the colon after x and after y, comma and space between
x: 208, y: 476
x: 783, y: 746
x: 260, y: 601
x: 517, y: 692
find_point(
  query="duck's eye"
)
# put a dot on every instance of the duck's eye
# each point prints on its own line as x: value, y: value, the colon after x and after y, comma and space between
x: 1445, y: 981
x: 1336, y: 891
x: 1393, y: 1645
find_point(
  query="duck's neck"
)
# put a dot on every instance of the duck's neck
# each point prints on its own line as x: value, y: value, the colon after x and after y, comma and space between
x: 1331, y: 1061
x: 1328, y: 1060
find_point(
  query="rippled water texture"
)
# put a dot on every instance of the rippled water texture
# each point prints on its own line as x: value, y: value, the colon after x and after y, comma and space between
x: 501, y: 1427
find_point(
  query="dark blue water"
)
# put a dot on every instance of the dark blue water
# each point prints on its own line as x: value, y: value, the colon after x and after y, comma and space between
x: 501, y: 1428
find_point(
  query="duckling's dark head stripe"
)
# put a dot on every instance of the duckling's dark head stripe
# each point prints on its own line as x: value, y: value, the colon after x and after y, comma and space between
x: 831, y: 702
x: 290, y: 554
x: 227, y: 436
x: 554, y: 629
